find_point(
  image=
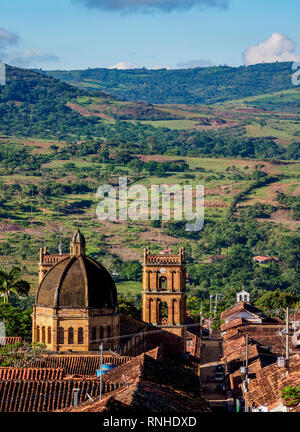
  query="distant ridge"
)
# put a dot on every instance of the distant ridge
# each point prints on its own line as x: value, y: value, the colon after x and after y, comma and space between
x: 183, y: 86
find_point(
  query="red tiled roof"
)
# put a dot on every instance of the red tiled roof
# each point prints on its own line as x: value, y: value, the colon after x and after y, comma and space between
x: 235, y: 378
x: 152, y: 386
x: 84, y: 365
x: 168, y: 382
x: 240, y: 306
x: 266, y: 387
x: 164, y: 251
x: 217, y: 257
x: 231, y: 324
x: 44, y: 395
x: 31, y: 374
x: 130, y: 325
x: 24, y: 393
x: 146, y: 396
x: 263, y: 334
x: 193, y: 344
x: 235, y: 357
x: 231, y: 346
x: 10, y: 340
x: 295, y: 316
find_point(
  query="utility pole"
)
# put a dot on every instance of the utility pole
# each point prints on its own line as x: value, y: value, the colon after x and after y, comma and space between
x: 247, y: 360
x: 287, y: 344
x: 216, y: 305
x: 210, y: 307
x: 201, y: 313
x: 246, y: 375
x: 101, y: 361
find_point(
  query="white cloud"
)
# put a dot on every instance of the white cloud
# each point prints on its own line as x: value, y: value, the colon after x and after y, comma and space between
x: 156, y: 67
x: 29, y: 57
x: 194, y: 64
x: 32, y: 57
x: 151, y: 5
x: 7, y: 39
x: 277, y: 47
x: 123, y: 65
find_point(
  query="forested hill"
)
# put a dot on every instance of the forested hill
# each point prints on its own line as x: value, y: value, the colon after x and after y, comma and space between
x: 32, y: 104
x: 184, y: 86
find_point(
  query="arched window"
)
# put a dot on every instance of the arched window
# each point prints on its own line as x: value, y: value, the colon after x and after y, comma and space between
x: 38, y: 334
x: 70, y: 336
x: 49, y: 335
x: 162, y: 312
x: 108, y: 331
x: 162, y: 283
x: 94, y: 334
x: 61, y: 335
x: 43, y: 334
x: 101, y: 335
x: 76, y: 249
x: 80, y: 335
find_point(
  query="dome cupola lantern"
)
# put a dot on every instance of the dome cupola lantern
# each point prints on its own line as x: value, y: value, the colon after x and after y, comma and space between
x: 77, y: 244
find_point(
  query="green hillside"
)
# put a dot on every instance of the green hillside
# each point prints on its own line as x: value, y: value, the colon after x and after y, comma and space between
x: 36, y: 106
x: 58, y: 143
x: 183, y: 86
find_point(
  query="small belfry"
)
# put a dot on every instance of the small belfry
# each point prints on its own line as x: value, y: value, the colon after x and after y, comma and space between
x: 164, y: 292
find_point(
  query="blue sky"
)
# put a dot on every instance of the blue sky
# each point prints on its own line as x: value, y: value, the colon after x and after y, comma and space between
x: 67, y: 34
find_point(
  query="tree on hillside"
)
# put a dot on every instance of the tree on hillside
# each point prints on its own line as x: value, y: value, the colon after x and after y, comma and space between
x: 11, y: 282
x: 130, y: 270
x: 128, y: 307
x: 277, y: 300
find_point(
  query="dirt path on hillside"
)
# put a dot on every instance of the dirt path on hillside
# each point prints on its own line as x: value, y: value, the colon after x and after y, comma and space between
x: 84, y: 112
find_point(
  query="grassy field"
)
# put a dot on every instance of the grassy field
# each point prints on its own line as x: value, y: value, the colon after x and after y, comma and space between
x: 131, y: 288
x: 275, y: 115
x: 172, y: 124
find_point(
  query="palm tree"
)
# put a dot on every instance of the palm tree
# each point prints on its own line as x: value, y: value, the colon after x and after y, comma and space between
x: 11, y: 282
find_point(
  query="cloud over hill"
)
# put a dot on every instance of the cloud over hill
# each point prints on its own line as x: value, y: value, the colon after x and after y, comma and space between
x: 277, y: 47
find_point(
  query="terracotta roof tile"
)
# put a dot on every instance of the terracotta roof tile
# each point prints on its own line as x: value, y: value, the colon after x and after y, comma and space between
x: 154, y: 375
x: 263, y: 334
x: 241, y: 306
x: 231, y: 324
x: 84, y: 365
x: 151, y: 386
x: 130, y: 325
x: 31, y: 374
x: 10, y: 340
x: 146, y: 397
x: 265, y: 388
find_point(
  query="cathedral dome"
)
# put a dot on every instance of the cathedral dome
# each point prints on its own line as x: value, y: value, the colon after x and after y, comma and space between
x: 77, y: 282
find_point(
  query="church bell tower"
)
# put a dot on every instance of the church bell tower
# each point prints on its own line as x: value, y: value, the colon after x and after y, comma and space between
x: 164, y: 293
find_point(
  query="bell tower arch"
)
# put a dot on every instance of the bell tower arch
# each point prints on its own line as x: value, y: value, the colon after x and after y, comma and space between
x: 164, y: 292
